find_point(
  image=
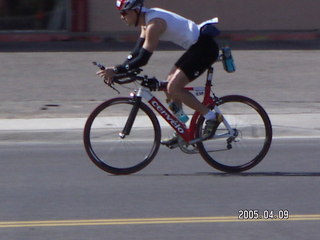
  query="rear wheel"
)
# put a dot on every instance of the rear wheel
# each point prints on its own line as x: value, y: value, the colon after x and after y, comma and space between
x: 250, y: 139
x: 113, y: 152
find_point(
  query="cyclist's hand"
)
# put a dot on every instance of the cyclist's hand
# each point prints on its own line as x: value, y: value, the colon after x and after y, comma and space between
x: 107, y: 75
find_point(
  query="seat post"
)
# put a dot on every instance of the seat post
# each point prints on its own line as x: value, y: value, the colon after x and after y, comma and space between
x: 210, y: 76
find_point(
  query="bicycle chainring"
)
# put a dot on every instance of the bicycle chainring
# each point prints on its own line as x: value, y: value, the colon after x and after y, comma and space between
x: 187, y: 148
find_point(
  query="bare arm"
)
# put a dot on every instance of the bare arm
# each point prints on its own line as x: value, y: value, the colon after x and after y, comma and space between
x: 152, y: 33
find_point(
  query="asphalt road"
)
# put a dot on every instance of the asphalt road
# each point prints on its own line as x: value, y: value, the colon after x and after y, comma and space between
x: 53, y: 191
x: 49, y: 189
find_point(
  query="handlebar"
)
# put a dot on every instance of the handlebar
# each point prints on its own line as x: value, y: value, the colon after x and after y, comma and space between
x: 123, y: 78
x: 132, y: 75
x: 128, y: 77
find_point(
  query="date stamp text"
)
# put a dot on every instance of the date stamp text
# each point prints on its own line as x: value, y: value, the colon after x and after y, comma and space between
x: 255, y: 214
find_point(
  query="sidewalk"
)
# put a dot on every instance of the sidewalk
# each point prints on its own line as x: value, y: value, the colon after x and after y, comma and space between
x: 58, y: 90
x: 58, y: 129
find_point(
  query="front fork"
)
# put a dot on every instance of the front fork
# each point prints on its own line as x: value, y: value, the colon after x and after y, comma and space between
x: 132, y: 116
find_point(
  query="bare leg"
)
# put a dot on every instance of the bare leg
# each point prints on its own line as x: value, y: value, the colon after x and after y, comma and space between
x: 169, y: 98
x: 175, y: 90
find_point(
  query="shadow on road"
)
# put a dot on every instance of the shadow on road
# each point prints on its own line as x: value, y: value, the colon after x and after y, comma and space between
x: 268, y: 174
x: 248, y: 174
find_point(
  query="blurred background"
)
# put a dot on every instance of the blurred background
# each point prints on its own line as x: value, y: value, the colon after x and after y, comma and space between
x: 38, y: 20
x: 34, y: 15
x: 48, y: 88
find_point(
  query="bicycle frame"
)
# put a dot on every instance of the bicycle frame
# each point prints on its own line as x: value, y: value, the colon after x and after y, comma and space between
x: 188, y: 134
x: 244, y: 123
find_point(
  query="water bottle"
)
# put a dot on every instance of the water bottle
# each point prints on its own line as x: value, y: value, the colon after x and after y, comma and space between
x: 178, y: 112
x: 227, y: 59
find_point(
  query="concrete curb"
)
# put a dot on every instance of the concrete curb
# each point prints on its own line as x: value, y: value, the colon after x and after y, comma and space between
x: 284, y: 125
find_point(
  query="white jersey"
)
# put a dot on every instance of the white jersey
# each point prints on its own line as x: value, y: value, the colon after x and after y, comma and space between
x: 180, y: 30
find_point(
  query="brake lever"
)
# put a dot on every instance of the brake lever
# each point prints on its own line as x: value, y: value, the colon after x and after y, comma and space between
x: 115, y: 89
x: 109, y: 85
x: 101, y: 67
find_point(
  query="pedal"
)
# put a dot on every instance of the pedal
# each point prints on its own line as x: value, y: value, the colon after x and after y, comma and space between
x: 171, y: 143
x: 170, y: 146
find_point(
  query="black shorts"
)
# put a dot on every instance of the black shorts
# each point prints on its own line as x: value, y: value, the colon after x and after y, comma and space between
x: 199, y: 57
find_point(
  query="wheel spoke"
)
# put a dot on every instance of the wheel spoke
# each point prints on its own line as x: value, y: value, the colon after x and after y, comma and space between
x: 249, y: 142
x: 109, y: 149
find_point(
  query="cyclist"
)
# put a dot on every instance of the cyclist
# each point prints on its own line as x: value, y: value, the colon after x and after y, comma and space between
x: 201, y: 52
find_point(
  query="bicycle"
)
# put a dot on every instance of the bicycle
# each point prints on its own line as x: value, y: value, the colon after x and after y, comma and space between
x: 126, y: 125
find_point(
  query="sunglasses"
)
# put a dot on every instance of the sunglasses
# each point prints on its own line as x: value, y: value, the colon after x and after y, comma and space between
x: 123, y: 13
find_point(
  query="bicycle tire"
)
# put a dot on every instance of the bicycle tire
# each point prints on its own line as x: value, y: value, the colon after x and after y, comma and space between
x: 108, y: 150
x: 253, y: 126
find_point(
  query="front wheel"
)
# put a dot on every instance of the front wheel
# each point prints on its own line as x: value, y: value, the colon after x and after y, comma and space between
x: 109, y: 149
x: 242, y: 140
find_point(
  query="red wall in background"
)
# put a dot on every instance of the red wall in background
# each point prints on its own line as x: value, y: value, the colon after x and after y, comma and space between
x: 79, y: 15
